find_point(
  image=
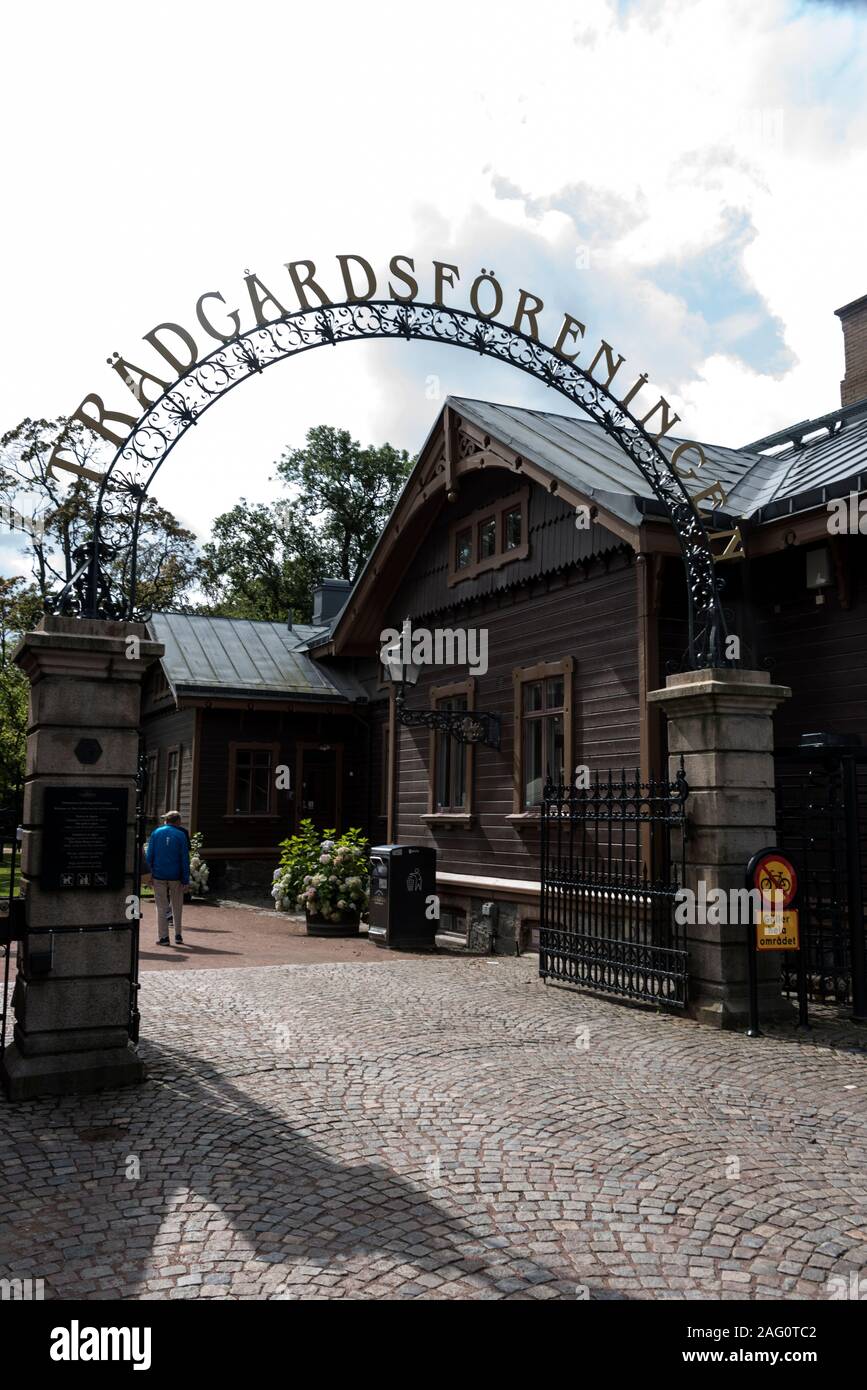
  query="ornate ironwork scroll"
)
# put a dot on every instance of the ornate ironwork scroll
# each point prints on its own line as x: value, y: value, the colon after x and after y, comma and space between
x: 613, y: 862
x: 148, y: 445
x: 466, y: 726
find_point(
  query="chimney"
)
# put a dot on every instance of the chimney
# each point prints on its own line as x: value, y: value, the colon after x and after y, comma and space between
x: 328, y: 599
x: 853, y: 317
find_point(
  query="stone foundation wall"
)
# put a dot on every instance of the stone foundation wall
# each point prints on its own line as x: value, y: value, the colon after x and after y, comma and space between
x: 494, y: 926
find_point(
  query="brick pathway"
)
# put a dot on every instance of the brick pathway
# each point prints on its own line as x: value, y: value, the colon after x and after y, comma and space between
x: 218, y: 937
x: 443, y: 1128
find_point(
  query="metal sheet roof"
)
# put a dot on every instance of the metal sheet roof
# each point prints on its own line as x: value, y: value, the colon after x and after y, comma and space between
x: 237, y: 656
x: 815, y: 469
x: 579, y: 452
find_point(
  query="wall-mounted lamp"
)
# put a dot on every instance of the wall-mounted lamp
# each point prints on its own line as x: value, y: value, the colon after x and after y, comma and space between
x: 467, y: 726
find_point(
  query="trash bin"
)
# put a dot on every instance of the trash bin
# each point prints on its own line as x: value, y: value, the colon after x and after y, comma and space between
x: 402, y: 880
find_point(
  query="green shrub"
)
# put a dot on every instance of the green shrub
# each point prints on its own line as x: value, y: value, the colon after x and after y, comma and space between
x: 322, y: 873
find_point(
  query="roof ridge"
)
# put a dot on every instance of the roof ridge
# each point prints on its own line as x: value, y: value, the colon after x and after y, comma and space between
x: 525, y: 409
x: 279, y: 623
x: 583, y: 419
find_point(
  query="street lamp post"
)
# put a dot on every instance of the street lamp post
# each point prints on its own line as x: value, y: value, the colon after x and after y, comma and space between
x: 467, y: 726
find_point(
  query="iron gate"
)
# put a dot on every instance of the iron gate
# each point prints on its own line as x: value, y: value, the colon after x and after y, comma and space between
x: 141, y: 789
x: 11, y: 905
x: 610, y: 872
x: 821, y: 795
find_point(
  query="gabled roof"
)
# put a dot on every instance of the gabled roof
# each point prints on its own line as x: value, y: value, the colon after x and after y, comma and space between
x: 588, y: 463
x: 235, y: 656
x: 578, y: 451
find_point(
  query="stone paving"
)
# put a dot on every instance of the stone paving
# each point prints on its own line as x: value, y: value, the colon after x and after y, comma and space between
x: 440, y: 1128
x: 217, y: 937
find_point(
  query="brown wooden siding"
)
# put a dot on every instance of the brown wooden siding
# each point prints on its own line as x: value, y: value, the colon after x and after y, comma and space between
x: 672, y: 617
x: 820, y: 650
x: 286, y: 729
x: 555, y: 544
x: 173, y: 729
x: 589, y: 614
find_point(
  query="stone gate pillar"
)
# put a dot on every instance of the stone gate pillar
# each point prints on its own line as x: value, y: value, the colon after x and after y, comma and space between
x: 721, y: 721
x: 73, y: 996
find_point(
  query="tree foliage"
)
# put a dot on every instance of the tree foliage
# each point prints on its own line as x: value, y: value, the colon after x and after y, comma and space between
x: 64, y: 506
x: 263, y: 560
x: 20, y: 607
x: 345, y: 491
x: 260, y: 563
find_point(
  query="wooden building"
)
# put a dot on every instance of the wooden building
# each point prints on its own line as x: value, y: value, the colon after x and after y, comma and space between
x: 581, y: 621
x: 246, y: 735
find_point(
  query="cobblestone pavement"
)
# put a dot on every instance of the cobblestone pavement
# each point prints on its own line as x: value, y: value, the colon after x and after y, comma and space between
x: 219, y: 937
x: 440, y: 1128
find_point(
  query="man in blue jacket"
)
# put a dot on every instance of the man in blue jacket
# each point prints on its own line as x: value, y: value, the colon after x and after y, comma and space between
x: 168, y: 858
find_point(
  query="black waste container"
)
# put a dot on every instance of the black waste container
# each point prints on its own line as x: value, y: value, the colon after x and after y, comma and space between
x: 402, y: 880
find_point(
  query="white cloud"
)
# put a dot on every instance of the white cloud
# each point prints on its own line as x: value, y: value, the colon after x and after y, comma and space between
x: 161, y: 153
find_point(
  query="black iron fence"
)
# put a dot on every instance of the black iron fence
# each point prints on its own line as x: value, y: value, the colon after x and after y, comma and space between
x: 141, y: 837
x: 821, y: 796
x: 11, y: 904
x: 612, y: 863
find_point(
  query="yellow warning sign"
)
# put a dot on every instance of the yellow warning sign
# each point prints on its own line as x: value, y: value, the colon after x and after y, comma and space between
x: 778, y: 931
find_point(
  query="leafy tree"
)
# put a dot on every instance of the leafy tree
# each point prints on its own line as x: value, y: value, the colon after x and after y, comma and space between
x: 65, y: 507
x: 20, y: 608
x: 262, y: 562
x: 264, y: 559
x: 347, y: 491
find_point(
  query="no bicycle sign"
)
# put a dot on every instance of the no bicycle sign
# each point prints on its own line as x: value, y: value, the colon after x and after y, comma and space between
x: 772, y: 881
x: 774, y: 876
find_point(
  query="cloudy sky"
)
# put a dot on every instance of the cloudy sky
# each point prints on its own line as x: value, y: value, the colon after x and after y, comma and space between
x: 687, y: 177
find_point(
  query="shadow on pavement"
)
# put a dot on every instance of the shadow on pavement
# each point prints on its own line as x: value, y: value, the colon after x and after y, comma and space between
x: 291, y: 1203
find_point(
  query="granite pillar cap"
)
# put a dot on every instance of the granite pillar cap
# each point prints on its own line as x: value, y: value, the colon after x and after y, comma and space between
x: 713, y: 685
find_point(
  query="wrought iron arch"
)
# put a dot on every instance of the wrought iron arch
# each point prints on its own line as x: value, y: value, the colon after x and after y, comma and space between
x: 147, y: 446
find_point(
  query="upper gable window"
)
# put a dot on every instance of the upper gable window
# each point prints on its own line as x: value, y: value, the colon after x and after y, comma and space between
x: 487, y: 538
x: 463, y: 551
x: 513, y: 528
x: 492, y: 536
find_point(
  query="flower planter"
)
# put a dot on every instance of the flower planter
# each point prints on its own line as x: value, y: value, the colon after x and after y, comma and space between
x: 323, y: 926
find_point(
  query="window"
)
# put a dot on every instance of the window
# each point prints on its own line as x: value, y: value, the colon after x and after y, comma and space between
x: 543, y: 728
x: 173, y: 778
x: 463, y: 549
x: 152, y: 787
x: 451, y: 762
x: 513, y: 528
x: 487, y: 538
x: 450, y: 782
x: 495, y: 535
x: 251, y: 778
x: 542, y: 736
